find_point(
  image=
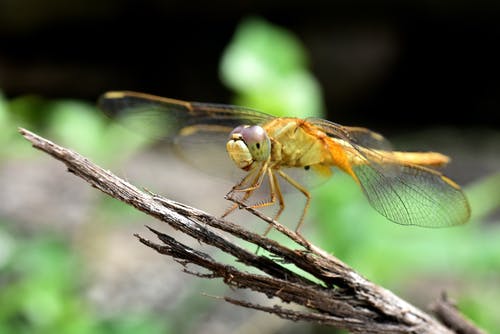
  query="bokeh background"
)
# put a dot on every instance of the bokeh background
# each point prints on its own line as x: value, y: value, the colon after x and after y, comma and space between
x: 424, y: 74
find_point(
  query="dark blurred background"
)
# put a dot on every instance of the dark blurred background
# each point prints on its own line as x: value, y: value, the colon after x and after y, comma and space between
x: 390, y: 65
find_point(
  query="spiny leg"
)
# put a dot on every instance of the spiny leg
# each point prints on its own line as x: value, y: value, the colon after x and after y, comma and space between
x: 244, y: 180
x: 243, y: 199
x: 255, y: 184
x: 272, y: 195
x: 302, y: 190
x: 275, y: 190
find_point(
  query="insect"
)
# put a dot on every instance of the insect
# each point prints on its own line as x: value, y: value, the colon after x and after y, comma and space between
x: 405, y: 187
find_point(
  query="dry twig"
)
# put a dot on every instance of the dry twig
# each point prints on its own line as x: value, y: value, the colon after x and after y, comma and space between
x: 339, y: 296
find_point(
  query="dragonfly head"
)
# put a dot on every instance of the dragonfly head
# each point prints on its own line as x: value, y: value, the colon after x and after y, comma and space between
x: 248, y: 144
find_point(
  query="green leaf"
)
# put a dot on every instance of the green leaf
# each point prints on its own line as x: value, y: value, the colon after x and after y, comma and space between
x: 266, y: 66
x: 77, y: 125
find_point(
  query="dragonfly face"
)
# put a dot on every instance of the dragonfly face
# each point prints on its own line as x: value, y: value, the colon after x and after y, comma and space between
x: 248, y: 145
x: 405, y: 187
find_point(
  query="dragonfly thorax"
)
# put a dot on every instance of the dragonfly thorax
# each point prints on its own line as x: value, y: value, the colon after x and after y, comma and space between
x: 248, y: 144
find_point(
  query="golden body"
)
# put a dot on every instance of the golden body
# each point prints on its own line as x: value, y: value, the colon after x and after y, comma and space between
x: 298, y: 143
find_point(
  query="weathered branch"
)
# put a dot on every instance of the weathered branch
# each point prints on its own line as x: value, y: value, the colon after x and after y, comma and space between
x: 447, y: 312
x: 338, y: 296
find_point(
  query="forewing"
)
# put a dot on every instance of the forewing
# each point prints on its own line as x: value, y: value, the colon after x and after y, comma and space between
x: 404, y: 193
x: 159, y: 117
x: 196, y: 131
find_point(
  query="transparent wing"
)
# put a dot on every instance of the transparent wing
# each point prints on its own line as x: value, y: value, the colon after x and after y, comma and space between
x: 197, y: 131
x: 357, y: 136
x: 413, y: 196
x: 405, y: 193
x: 160, y: 117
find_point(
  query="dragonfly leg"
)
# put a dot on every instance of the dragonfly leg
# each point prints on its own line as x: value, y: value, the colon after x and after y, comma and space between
x: 255, y: 184
x: 275, y: 190
x: 242, y: 182
x: 302, y: 190
x: 272, y: 197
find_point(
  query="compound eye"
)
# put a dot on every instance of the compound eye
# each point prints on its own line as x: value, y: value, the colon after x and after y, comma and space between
x: 257, y: 141
x: 237, y: 131
x: 253, y: 134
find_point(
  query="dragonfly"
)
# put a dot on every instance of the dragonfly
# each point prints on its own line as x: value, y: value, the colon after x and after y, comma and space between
x: 405, y: 187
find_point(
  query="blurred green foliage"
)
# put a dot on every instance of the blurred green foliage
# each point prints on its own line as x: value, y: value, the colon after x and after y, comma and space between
x: 41, y: 277
x: 40, y: 291
x: 80, y: 125
x: 266, y: 66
